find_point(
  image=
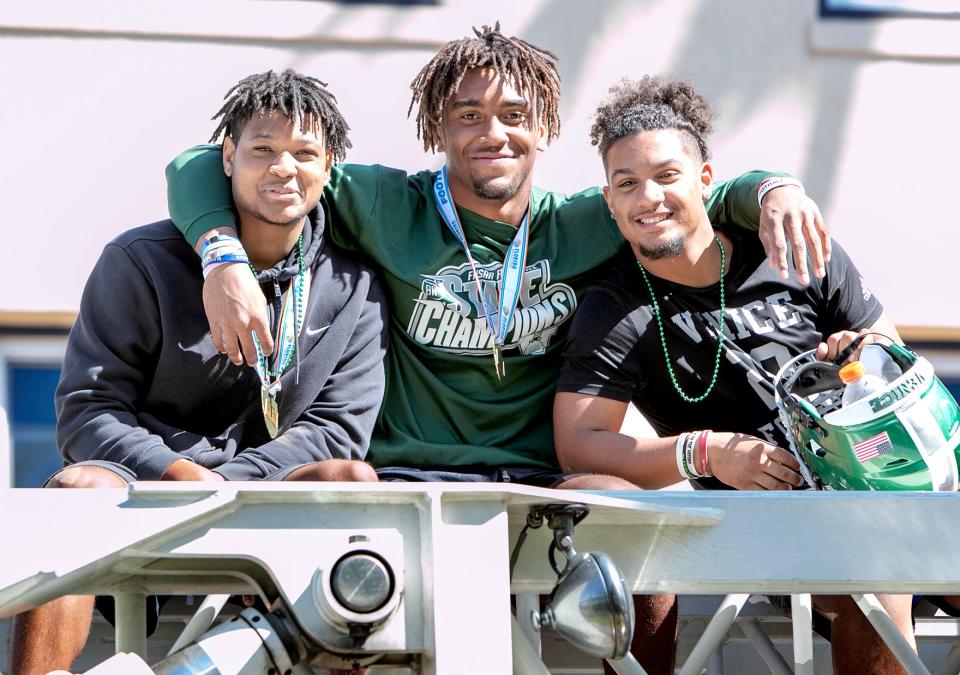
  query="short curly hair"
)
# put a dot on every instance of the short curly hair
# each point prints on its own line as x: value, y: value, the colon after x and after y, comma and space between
x: 633, y: 106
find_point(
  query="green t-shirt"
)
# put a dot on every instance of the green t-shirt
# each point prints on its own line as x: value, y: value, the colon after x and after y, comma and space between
x: 444, y: 405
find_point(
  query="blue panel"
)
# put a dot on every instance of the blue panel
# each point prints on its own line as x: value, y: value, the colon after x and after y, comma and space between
x: 31, y: 394
x: 33, y: 423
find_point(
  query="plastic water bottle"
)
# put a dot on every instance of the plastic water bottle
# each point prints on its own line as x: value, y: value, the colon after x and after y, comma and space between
x: 877, y: 361
x: 859, y: 384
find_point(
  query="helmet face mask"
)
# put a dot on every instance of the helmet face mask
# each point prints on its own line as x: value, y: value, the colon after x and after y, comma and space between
x: 904, y: 437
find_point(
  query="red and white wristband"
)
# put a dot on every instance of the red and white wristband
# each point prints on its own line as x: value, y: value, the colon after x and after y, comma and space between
x: 775, y: 182
x: 689, y: 445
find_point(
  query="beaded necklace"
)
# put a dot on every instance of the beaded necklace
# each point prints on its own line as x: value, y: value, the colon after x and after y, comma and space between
x: 286, y: 347
x: 663, y: 340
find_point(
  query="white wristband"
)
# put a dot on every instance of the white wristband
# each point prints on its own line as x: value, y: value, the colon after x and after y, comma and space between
x: 775, y: 182
x: 681, y: 447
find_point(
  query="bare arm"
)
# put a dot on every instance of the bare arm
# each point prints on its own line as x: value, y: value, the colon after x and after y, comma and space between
x: 235, y: 309
x: 588, y: 439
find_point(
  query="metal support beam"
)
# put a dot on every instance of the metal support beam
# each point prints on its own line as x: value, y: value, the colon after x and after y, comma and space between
x: 715, y: 664
x: 201, y: 621
x: 771, y: 657
x: 887, y: 629
x: 628, y: 665
x: 801, y: 610
x: 714, y: 633
x: 527, y: 603
x: 526, y: 661
x: 131, y: 618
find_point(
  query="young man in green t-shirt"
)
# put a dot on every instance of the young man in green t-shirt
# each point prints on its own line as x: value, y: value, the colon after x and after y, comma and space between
x: 469, y: 396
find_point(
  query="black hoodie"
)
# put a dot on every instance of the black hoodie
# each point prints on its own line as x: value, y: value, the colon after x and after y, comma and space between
x: 143, y: 386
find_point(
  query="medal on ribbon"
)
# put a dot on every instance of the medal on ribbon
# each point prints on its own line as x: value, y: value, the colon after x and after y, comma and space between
x: 291, y: 323
x: 508, y: 290
x: 271, y: 413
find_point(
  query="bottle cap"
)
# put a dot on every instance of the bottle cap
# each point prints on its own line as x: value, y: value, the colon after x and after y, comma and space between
x: 852, y: 372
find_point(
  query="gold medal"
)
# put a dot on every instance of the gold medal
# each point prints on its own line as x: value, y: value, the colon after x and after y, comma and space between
x: 271, y: 413
x: 498, y: 365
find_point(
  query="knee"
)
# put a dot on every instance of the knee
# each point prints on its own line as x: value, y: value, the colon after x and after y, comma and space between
x: 86, y: 477
x: 360, y: 472
x: 596, y: 482
x: 341, y: 470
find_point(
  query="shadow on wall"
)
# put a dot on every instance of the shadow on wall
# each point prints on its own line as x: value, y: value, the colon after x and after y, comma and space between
x: 741, y: 57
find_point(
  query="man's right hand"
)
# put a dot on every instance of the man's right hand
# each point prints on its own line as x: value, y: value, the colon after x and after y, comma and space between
x: 236, y: 309
x: 184, y: 469
x: 748, y: 463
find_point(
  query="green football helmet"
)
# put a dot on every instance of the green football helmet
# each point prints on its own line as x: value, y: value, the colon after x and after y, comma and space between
x: 902, y: 437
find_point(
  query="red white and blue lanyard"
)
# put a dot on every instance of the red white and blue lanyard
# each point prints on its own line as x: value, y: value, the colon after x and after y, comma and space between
x: 508, y: 290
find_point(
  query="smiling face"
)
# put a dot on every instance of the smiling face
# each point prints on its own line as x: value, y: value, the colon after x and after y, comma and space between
x: 277, y: 170
x: 490, y: 136
x: 656, y: 184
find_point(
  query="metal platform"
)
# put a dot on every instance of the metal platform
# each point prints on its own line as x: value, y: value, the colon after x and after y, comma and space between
x: 453, y: 544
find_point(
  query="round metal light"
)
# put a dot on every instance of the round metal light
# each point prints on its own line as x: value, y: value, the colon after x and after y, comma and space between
x: 362, y: 582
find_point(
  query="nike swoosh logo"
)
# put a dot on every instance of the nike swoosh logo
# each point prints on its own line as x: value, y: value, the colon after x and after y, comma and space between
x: 315, y: 331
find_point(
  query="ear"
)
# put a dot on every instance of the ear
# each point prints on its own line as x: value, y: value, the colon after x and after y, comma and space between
x: 329, y: 162
x: 706, y: 180
x: 542, y: 141
x: 229, y: 150
x: 606, y: 197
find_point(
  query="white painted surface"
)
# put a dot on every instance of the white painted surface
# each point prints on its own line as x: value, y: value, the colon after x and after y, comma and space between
x: 106, y: 92
x: 663, y: 542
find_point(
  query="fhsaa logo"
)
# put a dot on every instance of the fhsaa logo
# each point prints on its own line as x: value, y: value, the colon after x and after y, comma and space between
x: 449, y: 316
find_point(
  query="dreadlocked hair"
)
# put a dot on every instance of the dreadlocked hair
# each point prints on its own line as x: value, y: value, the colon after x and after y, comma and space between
x: 532, y: 71
x: 633, y: 106
x: 300, y: 98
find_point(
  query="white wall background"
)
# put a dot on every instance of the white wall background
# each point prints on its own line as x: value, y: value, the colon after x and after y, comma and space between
x: 99, y: 95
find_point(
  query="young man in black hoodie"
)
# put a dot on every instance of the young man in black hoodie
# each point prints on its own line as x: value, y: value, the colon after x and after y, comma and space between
x: 144, y: 395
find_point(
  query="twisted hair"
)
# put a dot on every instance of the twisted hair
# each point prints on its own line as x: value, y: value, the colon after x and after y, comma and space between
x: 633, y: 106
x: 531, y: 69
x: 300, y: 98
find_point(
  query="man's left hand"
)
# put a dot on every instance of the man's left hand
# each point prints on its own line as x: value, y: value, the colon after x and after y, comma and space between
x: 788, y: 215
x: 837, y: 342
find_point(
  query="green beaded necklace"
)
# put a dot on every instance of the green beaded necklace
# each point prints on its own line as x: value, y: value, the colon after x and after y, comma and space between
x: 287, y: 356
x: 663, y: 340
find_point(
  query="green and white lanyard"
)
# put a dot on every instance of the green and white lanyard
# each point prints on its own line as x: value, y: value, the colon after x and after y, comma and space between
x: 508, y: 290
x: 291, y: 323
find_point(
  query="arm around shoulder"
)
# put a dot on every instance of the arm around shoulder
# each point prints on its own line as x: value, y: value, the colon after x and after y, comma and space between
x: 199, y: 197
